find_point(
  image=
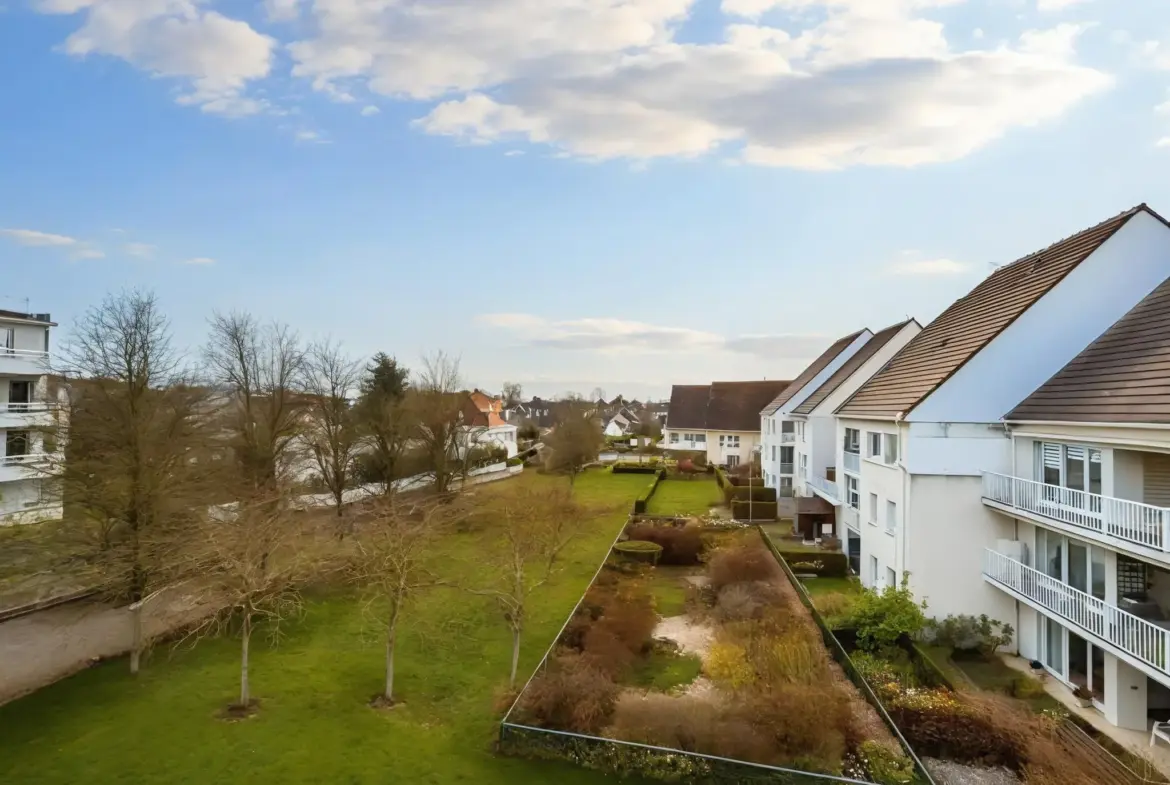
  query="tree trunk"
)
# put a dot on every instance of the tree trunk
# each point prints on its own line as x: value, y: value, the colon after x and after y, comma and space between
x: 245, y: 638
x: 515, y: 655
x: 389, y: 695
x: 135, y: 637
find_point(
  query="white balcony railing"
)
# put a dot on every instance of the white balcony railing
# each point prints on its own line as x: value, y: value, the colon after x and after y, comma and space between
x: 787, y: 438
x: 852, y: 462
x: 1133, y: 522
x: 786, y: 468
x: 827, y: 487
x: 852, y: 518
x: 26, y: 408
x: 21, y: 460
x: 1133, y: 635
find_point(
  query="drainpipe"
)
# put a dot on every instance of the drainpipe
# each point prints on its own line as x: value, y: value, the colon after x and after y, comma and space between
x: 905, y: 496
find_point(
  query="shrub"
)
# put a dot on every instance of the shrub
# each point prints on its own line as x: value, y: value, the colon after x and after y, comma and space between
x: 885, y: 766
x: 836, y: 608
x: 753, y: 511
x: 969, y: 635
x: 824, y: 564
x: 741, y: 564
x: 603, y: 650
x: 1025, y: 687
x: 728, y: 667
x: 807, y: 723
x: 633, y: 467
x: 639, y: 550
x: 881, y: 618
x: 740, y: 601
x: 570, y: 695
x: 515, y: 461
x: 793, y: 657
x: 757, y: 493
x: 689, y: 724
x: 681, y: 545
x: 631, y: 619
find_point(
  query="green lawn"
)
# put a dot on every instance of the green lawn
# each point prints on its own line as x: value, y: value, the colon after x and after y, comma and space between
x: 102, y: 726
x: 685, y: 497
x: 665, y: 670
x: 815, y: 586
x: 669, y: 588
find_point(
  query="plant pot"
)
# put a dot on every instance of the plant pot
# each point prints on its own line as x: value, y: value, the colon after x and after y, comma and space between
x: 1084, y: 703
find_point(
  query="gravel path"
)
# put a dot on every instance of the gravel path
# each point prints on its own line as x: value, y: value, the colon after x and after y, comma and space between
x: 692, y: 637
x: 947, y: 772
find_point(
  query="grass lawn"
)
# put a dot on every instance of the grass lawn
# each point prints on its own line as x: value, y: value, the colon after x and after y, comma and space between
x: 685, y: 497
x: 669, y: 589
x: 815, y: 586
x: 314, y: 726
x: 780, y: 532
x: 665, y: 670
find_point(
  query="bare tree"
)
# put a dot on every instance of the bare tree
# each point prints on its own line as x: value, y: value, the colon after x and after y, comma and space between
x: 391, y: 565
x: 251, y: 570
x: 442, y: 418
x: 332, y: 430
x: 383, y: 417
x: 260, y: 369
x: 129, y: 474
x: 536, y: 523
x: 597, y: 396
x: 575, y: 442
x: 513, y: 393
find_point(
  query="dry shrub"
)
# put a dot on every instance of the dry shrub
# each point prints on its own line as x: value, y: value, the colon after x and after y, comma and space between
x: 979, y: 729
x: 743, y: 601
x: 681, y: 545
x: 834, y: 605
x: 805, y: 723
x: 606, y: 652
x: 741, y: 564
x: 632, y: 619
x: 690, y: 724
x: 728, y: 667
x: 570, y: 695
x: 622, y: 629
x: 790, y: 658
x: 573, y: 636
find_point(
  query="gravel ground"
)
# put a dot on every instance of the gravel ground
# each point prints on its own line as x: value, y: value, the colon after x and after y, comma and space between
x: 692, y: 637
x: 947, y: 772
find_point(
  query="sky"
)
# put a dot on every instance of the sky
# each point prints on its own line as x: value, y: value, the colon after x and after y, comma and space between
x: 570, y: 194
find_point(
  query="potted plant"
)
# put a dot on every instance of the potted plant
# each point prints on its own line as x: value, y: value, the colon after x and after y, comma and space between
x: 1083, y: 697
x: 1038, y: 670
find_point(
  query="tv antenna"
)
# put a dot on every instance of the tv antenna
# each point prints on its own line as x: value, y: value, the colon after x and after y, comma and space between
x: 24, y: 300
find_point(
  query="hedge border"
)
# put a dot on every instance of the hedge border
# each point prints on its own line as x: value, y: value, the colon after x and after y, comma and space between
x: 645, y: 496
x: 838, y: 560
x: 743, y: 510
x: 842, y: 657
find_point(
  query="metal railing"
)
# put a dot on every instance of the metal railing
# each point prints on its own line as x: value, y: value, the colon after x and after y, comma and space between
x: 6, y: 351
x: 1133, y: 522
x: 827, y: 487
x: 851, y: 517
x: 14, y: 407
x: 21, y: 460
x: 852, y: 462
x: 1123, y: 631
x: 787, y: 438
x: 786, y: 468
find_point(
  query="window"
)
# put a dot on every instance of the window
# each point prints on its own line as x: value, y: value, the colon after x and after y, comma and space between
x: 773, y: 452
x: 1069, y: 466
x: 891, y: 448
x: 786, y: 482
x: 852, y: 440
x: 803, y: 465
x: 732, y: 461
x: 875, y: 445
x: 19, y: 396
x: 873, y: 505
x: 873, y: 571
x: 852, y: 493
x: 786, y: 427
x: 721, y: 438
x: 891, y: 517
x: 16, y: 443
x: 674, y: 438
x: 7, y: 338
x: 891, y: 577
x: 701, y: 438
x: 732, y: 440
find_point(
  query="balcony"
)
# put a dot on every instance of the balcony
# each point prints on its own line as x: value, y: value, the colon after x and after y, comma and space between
x: 1142, y: 643
x: 23, y: 362
x: 1136, y: 528
x: 19, y: 467
x: 787, y: 438
x: 852, y: 518
x: 826, y: 489
x: 852, y: 462
x: 26, y: 415
x: 786, y: 468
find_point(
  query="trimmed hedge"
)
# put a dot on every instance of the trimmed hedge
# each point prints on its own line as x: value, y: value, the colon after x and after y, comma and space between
x: 823, y: 564
x: 758, y: 511
x: 754, y: 492
x: 639, y: 550
x: 721, y: 478
x: 632, y: 467
x: 745, y: 481
x: 644, y: 496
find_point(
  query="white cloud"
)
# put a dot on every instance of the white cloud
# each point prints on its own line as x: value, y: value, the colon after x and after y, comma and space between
x: 199, y: 260
x: 609, y: 79
x: 370, y: 111
x: 624, y: 336
x: 86, y: 253
x: 34, y: 238
x: 940, y: 266
x: 513, y: 153
x: 216, y: 56
x: 977, y: 33
x: 1057, y: 5
x: 282, y: 10
x: 140, y: 250
x: 311, y: 137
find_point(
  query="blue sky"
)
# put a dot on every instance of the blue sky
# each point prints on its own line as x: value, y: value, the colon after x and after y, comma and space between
x: 568, y: 193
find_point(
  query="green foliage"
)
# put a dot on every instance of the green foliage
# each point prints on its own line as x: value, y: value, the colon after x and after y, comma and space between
x: 515, y: 461
x: 529, y: 431
x: 1025, y: 687
x: 665, y: 668
x: 639, y: 550
x: 681, y: 545
x: 824, y: 564
x: 881, y: 618
x: 644, y: 497
x: 633, y: 467
x: 968, y: 635
x: 885, y: 766
x: 753, y: 511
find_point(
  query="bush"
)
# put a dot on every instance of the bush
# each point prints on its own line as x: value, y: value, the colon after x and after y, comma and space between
x: 681, y: 545
x: 885, y: 766
x: 570, y: 695
x: 881, y: 618
x: 644, y: 497
x: 516, y: 461
x: 969, y: 636
x: 639, y: 550
x: 824, y: 564
x: 604, y: 651
x: 1025, y: 687
x: 807, y: 723
x: 631, y: 467
x: 753, y: 511
x: 689, y: 724
x: 741, y: 564
x: 836, y: 608
x: 742, y: 601
x: 756, y: 493
x: 728, y: 667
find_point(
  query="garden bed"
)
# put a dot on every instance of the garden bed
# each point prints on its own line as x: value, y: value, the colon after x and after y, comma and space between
x: 709, y: 653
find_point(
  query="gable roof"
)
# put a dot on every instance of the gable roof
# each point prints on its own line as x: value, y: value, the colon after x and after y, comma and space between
x: 971, y: 322
x: 720, y: 406
x: 870, y: 348
x: 810, y: 373
x: 1122, y: 377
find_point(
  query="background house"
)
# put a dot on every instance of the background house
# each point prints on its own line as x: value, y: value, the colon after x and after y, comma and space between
x: 721, y: 419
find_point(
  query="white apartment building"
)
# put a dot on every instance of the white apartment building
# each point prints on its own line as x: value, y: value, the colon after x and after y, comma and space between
x: 781, y: 433
x: 720, y: 419
x: 26, y: 413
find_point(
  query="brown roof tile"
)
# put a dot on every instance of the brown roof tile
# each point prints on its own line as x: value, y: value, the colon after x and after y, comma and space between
x: 809, y: 373
x: 870, y: 348
x: 969, y: 324
x: 720, y: 406
x: 1122, y: 377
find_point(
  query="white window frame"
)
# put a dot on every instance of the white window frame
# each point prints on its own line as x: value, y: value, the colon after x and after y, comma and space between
x: 891, y: 577
x: 873, y: 508
x: 890, y: 448
x: 852, y: 492
x: 873, y: 571
x: 873, y: 439
x: 891, y: 516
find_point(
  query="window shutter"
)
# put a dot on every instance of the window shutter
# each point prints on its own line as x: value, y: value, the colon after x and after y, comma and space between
x: 1052, y: 456
x: 1075, y: 453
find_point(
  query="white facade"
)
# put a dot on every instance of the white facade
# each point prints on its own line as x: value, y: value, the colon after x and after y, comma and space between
x: 729, y: 448
x: 496, y: 436
x: 26, y: 412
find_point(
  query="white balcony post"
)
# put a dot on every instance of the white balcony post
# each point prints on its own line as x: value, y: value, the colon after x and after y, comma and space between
x: 1164, y: 545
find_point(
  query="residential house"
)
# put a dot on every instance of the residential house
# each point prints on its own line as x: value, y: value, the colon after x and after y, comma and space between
x: 781, y: 432
x: 720, y: 419
x: 484, y: 424
x: 27, y: 409
x: 929, y: 425
x: 1084, y: 503
x: 624, y: 423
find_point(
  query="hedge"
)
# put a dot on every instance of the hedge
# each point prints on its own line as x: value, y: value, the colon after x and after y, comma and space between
x: 754, y: 492
x: 753, y: 511
x: 644, y: 496
x: 639, y: 550
x: 721, y: 478
x: 823, y: 564
x: 629, y: 467
x: 745, y: 481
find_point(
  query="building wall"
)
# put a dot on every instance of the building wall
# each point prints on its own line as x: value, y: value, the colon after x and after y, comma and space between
x: 1126, y: 268
x: 814, y: 384
x: 748, y: 440
x: 28, y: 337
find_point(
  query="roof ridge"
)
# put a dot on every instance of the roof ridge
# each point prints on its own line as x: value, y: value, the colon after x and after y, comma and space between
x: 1124, y: 214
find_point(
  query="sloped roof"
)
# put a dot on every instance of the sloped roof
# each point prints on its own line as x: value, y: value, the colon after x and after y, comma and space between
x: 970, y: 323
x: 870, y: 348
x: 39, y: 318
x: 720, y: 406
x: 810, y: 373
x: 1122, y: 377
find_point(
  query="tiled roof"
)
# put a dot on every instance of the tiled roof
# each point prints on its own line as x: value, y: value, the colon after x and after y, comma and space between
x: 870, y: 348
x: 969, y: 324
x: 1122, y: 377
x: 42, y: 318
x: 720, y: 406
x: 809, y: 373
